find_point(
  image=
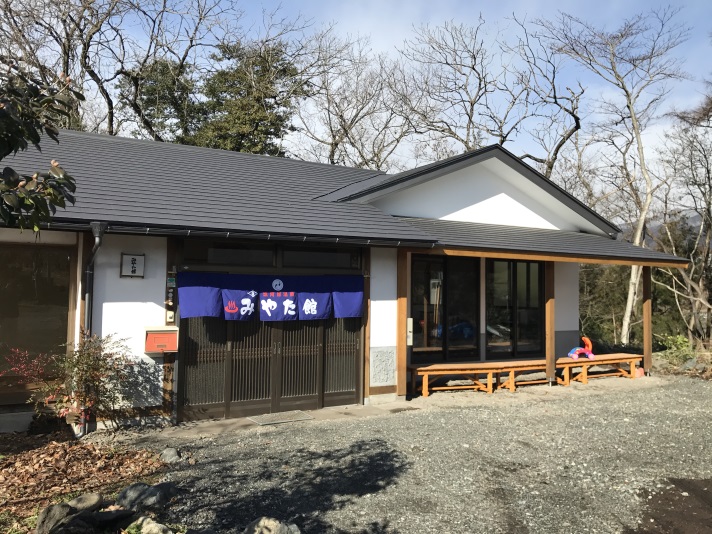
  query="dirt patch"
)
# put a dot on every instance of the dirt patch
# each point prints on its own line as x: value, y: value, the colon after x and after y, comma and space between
x: 400, y: 410
x: 682, y: 506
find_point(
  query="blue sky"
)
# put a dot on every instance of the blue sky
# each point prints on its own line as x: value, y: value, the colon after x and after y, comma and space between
x: 389, y: 22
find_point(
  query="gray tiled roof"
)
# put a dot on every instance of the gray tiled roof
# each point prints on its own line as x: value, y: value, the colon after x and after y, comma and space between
x: 498, y: 238
x: 144, y: 183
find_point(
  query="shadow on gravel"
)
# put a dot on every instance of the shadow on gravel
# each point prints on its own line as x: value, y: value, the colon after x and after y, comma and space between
x: 298, y: 487
x: 684, y: 508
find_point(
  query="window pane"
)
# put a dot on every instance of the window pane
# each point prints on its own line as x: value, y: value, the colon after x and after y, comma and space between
x: 241, y: 256
x: 34, y: 298
x: 333, y: 259
x: 427, y: 303
x: 463, y: 302
x: 522, y: 283
x: 529, y: 312
x: 534, y: 283
x: 499, y: 307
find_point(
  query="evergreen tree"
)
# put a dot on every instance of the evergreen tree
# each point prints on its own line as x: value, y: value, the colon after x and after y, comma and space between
x: 249, y: 103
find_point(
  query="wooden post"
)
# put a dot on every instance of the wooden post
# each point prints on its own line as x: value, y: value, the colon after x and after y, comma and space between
x: 549, y: 321
x: 366, y: 353
x: 401, y: 349
x: 647, y: 319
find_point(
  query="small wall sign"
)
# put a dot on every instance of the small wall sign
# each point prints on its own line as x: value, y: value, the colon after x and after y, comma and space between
x: 132, y: 265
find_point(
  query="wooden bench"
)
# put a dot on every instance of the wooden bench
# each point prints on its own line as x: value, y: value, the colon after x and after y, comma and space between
x: 492, y: 371
x: 472, y: 371
x: 617, y: 361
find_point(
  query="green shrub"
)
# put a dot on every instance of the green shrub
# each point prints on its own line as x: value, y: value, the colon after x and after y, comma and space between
x: 677, y: 349
x: 86, y: 376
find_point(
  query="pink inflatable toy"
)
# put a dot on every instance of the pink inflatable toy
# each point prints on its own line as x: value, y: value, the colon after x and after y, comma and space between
x: 585, y: 350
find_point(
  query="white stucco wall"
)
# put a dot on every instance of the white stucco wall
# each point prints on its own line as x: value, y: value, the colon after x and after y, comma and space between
x: 489, y: 192
x: 384, y: 306
x: 383, y: 321
x: 126, y: 306
x: 566, y: 293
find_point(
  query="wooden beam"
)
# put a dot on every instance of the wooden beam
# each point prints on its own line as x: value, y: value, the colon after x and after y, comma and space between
x: 382, y: 390
x: 366, y: 258
x: 647, y: 319
x: 401, y: 348
x: 550, y: 320
x: 526, y: 256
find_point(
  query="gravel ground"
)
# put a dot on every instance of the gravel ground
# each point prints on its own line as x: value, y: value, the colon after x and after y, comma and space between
x: 587, y: 458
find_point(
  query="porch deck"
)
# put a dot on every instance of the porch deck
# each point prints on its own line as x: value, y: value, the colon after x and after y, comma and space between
x: 487, y: 376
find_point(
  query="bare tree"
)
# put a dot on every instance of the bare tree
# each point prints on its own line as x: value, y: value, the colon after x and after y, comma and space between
x: 637, y: 61
x: 555, y: 105
x: 351, y: 116
x: 108, y: 46
x: 687, y: 226
x: 456, y: 77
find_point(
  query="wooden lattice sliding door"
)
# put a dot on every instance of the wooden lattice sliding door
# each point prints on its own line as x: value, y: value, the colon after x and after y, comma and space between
x: 236, y: 368
x: 341, y: 363
x: 202, y: 360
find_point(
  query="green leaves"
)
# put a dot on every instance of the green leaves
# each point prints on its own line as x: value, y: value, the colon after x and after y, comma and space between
x: 27, y: 110
x: 27, y: 201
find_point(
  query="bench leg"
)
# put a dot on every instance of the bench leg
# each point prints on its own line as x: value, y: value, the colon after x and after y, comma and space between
x: 489, y: 382
x: 425, y: 385
x: 584, y: 374
x: 512, y: 387
x: 632, y: 369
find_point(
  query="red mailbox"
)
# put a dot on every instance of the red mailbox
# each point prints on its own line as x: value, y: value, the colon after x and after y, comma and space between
x: 162, y: 339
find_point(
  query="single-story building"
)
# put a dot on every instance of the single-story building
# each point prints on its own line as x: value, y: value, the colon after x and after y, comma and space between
x: 299, y: 285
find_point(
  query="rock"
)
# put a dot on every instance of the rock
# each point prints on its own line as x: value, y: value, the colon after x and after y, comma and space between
x: 170, y: 455
x: 139, y: 495
x: 147, y: 525
x: 52, y: 516
x: 87, y: 502
x: 688, y: 365
x: 131, y: 495
x: 660, y: 363
x: 74, y: 525
x: 268, y: 525
x: 701, y: 367
x: 108, y: 517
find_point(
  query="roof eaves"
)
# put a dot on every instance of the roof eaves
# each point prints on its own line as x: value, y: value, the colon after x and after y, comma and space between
x: 119, y: 227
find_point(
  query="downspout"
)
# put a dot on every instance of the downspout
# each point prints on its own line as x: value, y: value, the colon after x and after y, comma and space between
x: 97, y: 230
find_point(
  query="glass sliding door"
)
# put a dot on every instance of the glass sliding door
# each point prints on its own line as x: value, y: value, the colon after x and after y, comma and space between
x: 462, y: 304
x: 444, y: 306
x: 529, y: 309
x: 499, y: 307
x: 514, y: 308
x: 34, y: 298
x: 426, y: 304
